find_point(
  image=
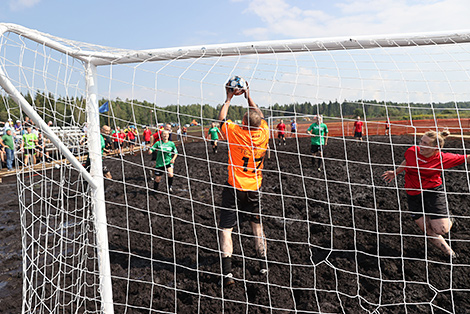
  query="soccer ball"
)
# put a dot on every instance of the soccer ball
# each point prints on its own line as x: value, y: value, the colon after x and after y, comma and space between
x: 237, y: 84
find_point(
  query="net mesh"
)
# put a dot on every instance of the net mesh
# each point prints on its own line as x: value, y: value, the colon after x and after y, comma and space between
x: 339, y: 240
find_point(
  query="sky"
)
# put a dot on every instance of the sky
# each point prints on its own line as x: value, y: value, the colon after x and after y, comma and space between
x: 153, y: 24
x: 148, y: 24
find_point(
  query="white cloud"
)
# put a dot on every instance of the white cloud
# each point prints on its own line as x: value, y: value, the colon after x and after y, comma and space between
x: 356, y: 17
x: 16, y: 5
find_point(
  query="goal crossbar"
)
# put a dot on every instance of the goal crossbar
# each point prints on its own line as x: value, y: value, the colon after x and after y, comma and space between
x: 123, y: 56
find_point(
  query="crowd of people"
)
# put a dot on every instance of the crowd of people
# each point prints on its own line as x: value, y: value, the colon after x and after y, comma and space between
x: 23, y: 137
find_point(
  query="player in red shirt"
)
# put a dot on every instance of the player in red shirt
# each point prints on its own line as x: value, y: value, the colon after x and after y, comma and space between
x: 132, y: 137
x: 358, y: 128
x: 281, y: 132
x: 423, y: 166
x: 121, y: 138
x: 147, y: 134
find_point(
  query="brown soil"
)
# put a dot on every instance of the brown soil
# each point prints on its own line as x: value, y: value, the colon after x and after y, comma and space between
x: 334, y: 246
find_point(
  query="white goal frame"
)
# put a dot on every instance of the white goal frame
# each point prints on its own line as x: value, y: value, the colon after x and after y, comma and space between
x: 93, y: 59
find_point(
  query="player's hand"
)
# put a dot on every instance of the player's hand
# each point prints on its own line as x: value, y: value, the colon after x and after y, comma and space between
x: 388, y: 176
x: 229, y: 92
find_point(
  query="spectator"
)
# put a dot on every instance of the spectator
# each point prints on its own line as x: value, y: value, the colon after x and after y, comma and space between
x: 41, y: 148
x: 18, y: 127
x: 27, y: 122
x: 122, y: 137
x: 8, y: 144
x: 184, y: 133
x: 115, y: 136
x: 28, y: 145
x: 147, y: 134
x: 132, y: 136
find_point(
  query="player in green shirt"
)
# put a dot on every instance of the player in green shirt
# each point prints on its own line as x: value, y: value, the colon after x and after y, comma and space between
x: 213, y: 134
x: 8, y: 144
x: 165, y: 160
x: 28, y: 145
x: 319, y: 132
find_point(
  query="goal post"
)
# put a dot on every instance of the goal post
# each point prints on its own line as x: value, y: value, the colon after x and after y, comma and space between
x: 338, y: 240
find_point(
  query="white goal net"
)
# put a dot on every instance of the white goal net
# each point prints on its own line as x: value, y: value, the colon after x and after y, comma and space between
x: 339, y: 238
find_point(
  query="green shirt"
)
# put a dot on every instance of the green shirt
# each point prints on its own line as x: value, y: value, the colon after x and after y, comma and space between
x: 29, y: 140
x: 103, y: 143
x: 320, y: 130
x: 8, y: 141
x: 214, y: 132
x: 165, y: 152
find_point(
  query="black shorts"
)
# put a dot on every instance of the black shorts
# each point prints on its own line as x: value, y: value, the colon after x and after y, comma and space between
x: 244, y: 206
x: 160, y: 171
x: 357, y: 134
x: 315, y: 149
x: 281, y: 136
x: 434, y: 204
x: 132, y: 141
x: 29, y: 151
x: 293, y: 130
x: 214, y: 142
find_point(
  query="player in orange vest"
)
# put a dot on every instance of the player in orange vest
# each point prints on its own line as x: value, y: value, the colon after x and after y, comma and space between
x: 247, y: 146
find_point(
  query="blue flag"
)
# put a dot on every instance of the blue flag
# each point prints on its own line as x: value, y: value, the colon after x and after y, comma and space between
x: 104, y: 108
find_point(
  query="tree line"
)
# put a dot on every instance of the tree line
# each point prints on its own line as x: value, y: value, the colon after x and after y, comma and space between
x: 71, y: 110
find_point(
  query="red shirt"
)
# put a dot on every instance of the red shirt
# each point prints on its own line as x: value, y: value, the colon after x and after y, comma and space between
x: 147, y: 135
x: 122, y: 137
x: 115, y: 136
x: 358, y: 126
x: 281, y: 128
x: 156, y: 136
x: 428, y: 169
x: 131, y: 135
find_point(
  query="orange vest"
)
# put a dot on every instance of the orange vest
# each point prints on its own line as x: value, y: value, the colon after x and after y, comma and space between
x: 246, y: 150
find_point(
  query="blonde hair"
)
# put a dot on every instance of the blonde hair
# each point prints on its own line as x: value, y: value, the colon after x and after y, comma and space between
x: 435, y: 137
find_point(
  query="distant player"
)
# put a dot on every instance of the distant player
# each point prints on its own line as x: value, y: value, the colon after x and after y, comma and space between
x: 358, y: 128
x: 166, y: 154
x: 387, y: 127
x: 319, y: 132
x: 213, y: 134
x: 281, y: 132
x: 293, y: 128
x: 240, y: 197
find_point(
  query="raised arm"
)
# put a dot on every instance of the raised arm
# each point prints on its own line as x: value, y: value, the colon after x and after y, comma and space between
x: 251, y: 103
x: 226, y: 105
